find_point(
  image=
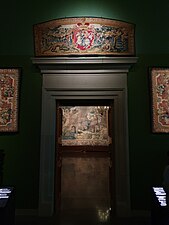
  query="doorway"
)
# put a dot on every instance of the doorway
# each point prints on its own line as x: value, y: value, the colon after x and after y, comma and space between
x: 85, y: 177
x: 84, y: 78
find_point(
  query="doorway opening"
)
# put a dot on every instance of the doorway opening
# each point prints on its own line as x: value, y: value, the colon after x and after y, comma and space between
x: 85, y: 159
x: 84, y: 78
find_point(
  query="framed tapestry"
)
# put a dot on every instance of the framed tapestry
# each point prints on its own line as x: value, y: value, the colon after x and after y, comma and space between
x: 84, y: 36
x: 85, y: 125
x: 9, y: 93
x: 160, y: 99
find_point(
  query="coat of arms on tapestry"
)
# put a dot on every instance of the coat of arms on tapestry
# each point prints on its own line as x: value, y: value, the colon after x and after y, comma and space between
x: 160, y: 99
x: 9, y: 93
x: 84, y: 36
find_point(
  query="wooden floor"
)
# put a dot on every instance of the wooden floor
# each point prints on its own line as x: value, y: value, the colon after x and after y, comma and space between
x: 22, y: 220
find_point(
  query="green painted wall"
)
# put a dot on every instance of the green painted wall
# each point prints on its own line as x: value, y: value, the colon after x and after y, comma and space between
x: 147, y: 150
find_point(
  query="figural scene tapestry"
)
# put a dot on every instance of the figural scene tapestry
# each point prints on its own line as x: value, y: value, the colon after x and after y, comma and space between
x: 85, y: 125
x: 84, y: 36
x: 160, y: 99
x: 9, y: 85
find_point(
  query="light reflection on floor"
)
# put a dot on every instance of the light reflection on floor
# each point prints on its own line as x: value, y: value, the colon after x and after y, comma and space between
x: 76, y: 217
x: 103, y: 215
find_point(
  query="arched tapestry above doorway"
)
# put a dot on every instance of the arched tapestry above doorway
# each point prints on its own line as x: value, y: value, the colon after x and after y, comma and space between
x: 84, y: 36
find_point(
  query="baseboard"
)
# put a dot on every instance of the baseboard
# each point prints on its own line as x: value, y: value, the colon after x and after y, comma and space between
x: 26, y: 212
x: 140, y: 213
x: 34, y: 212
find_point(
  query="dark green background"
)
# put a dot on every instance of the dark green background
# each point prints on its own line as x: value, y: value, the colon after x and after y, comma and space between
x: 147, y: 150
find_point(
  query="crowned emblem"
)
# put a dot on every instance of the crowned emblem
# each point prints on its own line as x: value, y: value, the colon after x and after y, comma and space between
x: 83, y: 36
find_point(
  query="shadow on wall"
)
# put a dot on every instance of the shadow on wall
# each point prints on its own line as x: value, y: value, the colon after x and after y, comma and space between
x: 2, y: 156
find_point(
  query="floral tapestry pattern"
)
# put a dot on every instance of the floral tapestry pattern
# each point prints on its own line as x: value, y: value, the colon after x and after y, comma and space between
x: 79, y: 36
x: 160, y: 99
x: 9, y: 82
x: 82, y: 125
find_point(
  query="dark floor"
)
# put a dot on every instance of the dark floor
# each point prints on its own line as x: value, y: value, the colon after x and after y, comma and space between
x: 22, y: 220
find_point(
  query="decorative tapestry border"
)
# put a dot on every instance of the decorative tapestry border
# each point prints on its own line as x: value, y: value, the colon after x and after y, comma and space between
x: 9, y: 91
x: 160, y: 99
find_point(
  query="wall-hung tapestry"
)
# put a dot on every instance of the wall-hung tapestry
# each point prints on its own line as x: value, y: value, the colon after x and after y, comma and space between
x: 160, y: 99
x: 9, y: 85
x: 85, y: 125
x: 84, y: 36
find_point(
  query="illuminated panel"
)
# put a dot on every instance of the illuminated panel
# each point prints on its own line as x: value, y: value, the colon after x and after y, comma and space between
x: 161, y: 195
x: 4, y: 193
